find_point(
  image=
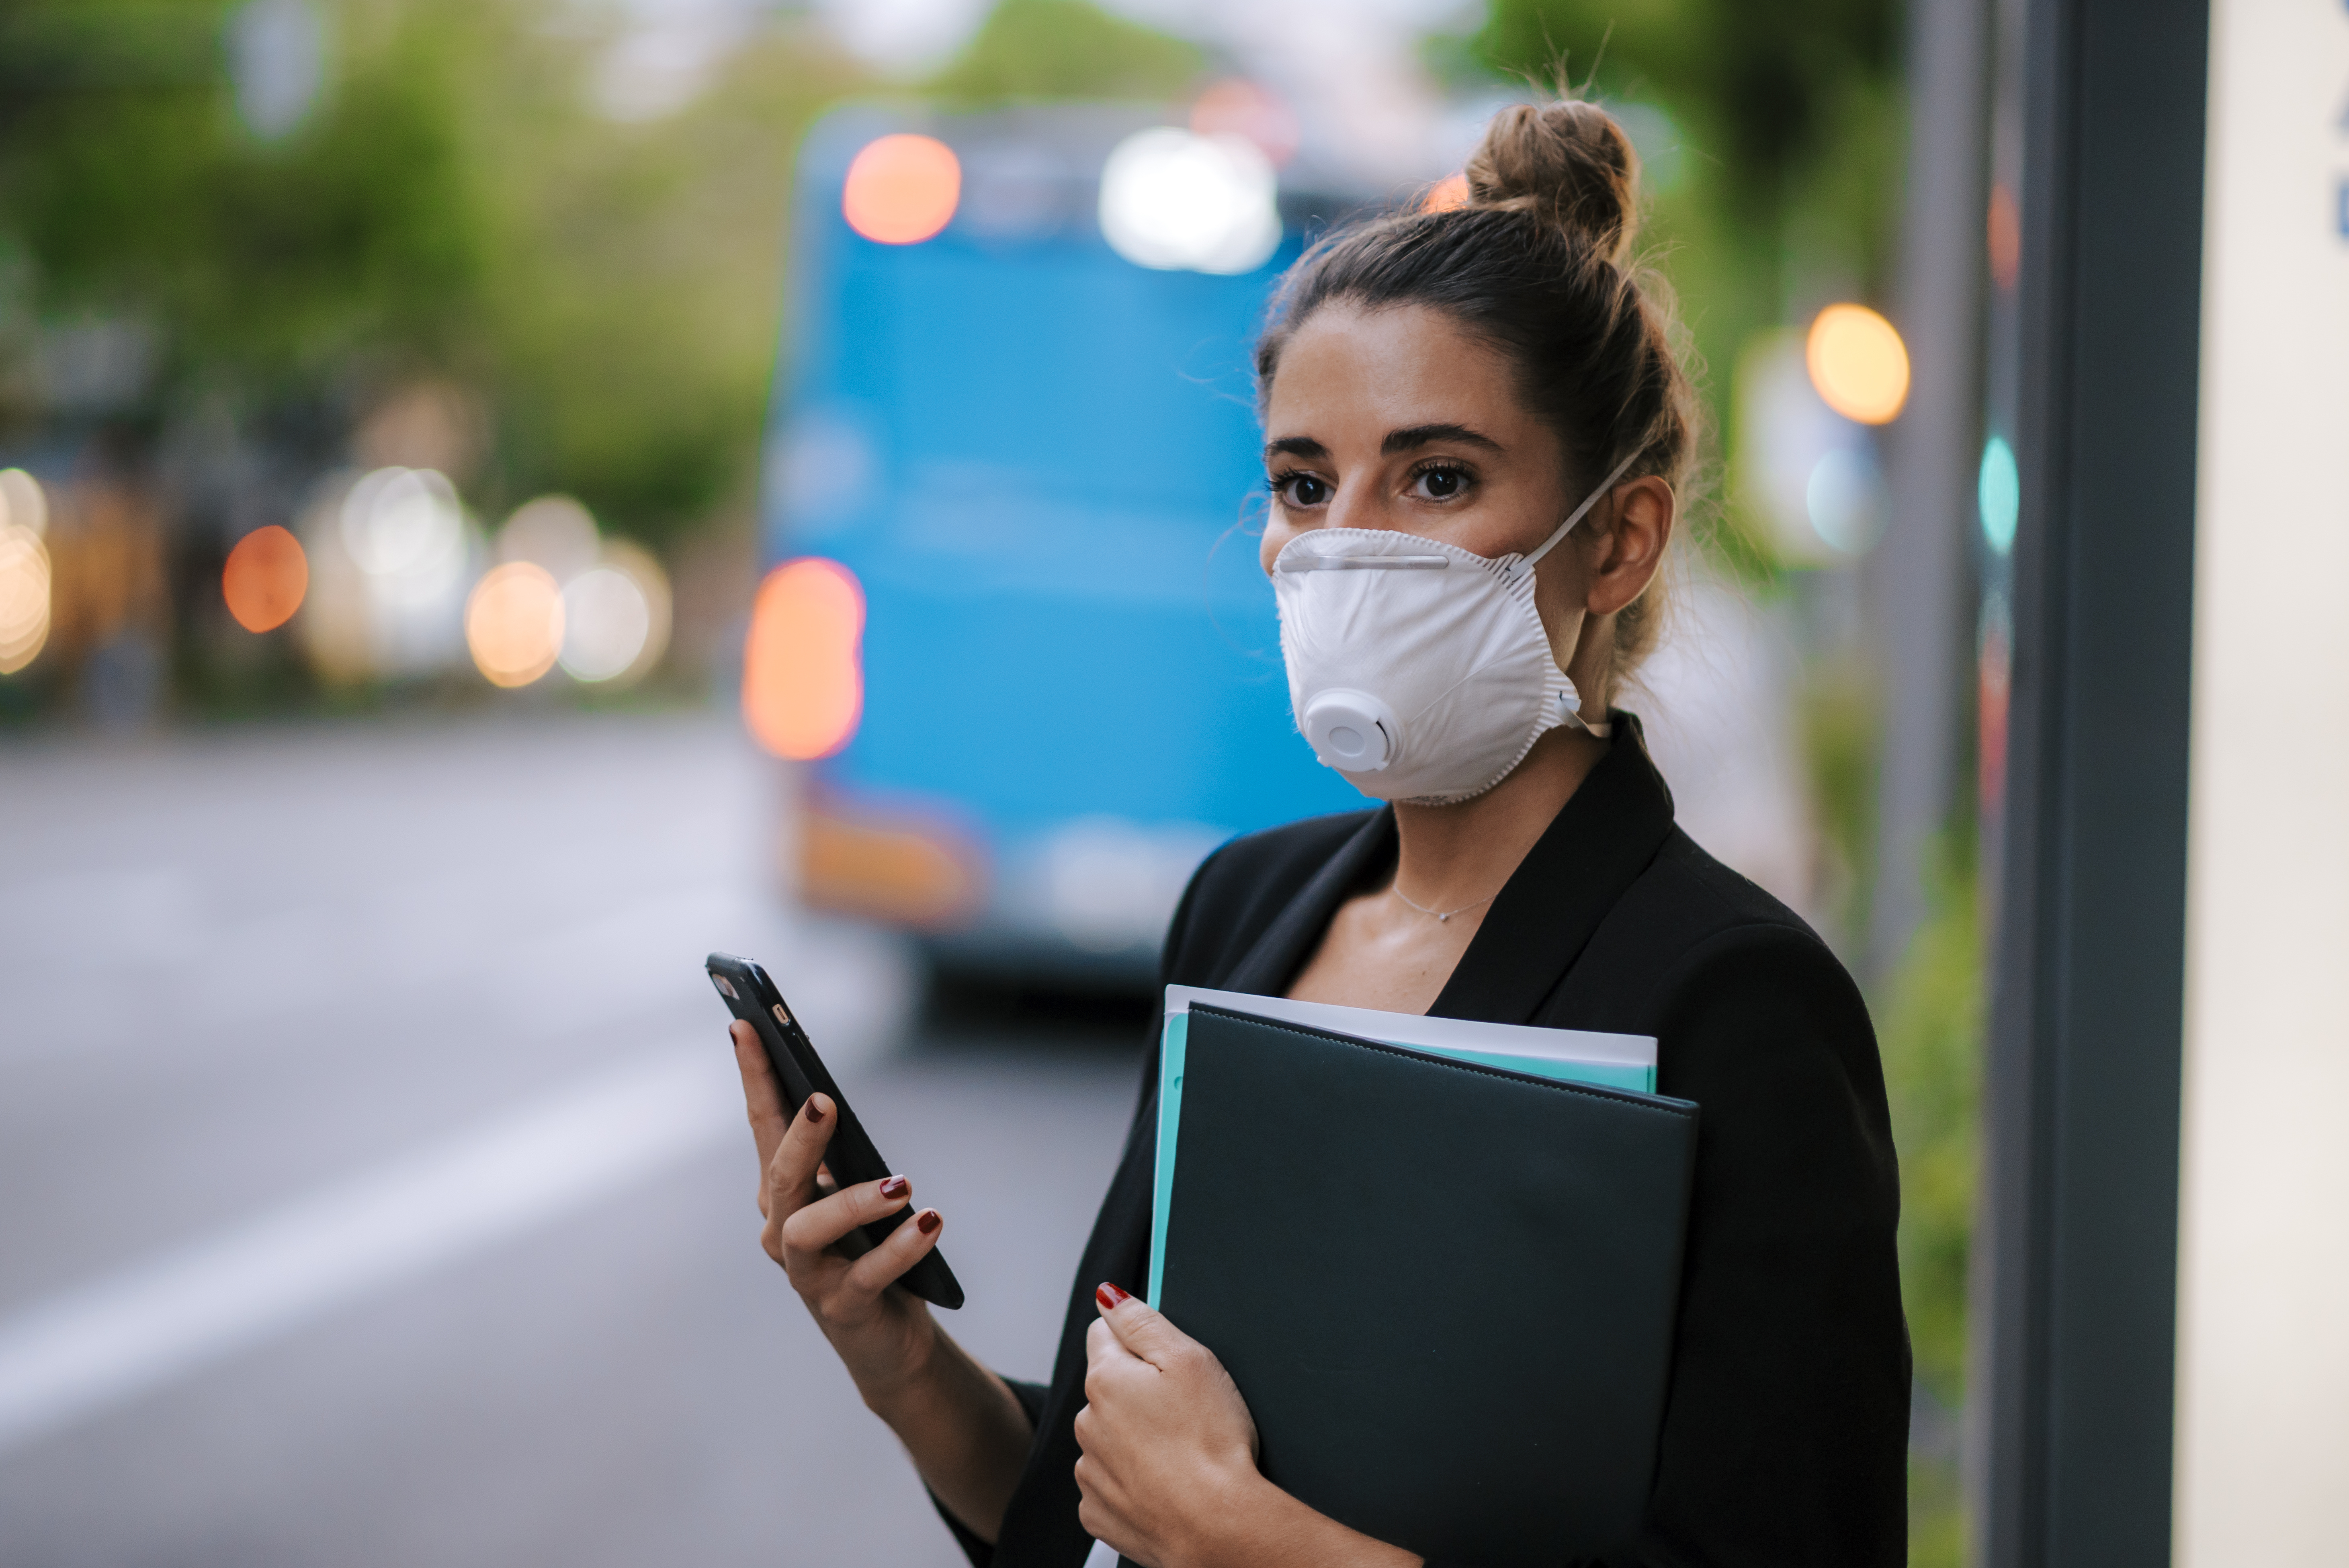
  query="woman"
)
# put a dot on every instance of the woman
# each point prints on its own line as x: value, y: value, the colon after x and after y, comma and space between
x: 1460, y: 382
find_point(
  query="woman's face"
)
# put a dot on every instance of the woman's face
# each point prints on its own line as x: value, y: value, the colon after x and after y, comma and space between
x: 1397, y: 419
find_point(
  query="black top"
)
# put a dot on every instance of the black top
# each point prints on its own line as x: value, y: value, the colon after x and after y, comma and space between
x: 1786, y: 1434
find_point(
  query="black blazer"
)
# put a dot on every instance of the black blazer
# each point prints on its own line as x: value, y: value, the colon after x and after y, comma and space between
x: 1786, y: 1436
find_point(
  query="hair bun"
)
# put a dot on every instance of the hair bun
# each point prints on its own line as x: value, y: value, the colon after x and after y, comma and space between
x: 1568, y: 163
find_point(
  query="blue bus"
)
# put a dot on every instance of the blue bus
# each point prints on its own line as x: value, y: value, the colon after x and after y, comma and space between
x: 1013, y: 611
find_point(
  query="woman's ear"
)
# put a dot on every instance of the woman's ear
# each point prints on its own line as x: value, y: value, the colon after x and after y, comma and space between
x: 1630, y: 551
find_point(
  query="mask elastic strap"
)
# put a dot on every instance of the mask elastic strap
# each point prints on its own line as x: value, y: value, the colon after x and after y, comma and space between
x: 1606, y: 487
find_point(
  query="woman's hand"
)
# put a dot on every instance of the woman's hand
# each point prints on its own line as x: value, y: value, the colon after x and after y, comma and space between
x: 1169, y: 1446
x: 1169, y: 1475
x: 885, y: 1337
x: 964, y: 1427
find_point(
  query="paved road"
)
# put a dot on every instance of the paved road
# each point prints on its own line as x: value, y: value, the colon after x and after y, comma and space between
x: 372, y: 1183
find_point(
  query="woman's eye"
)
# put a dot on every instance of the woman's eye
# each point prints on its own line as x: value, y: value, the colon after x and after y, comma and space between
x: 1443, y: 484
x: 1302, y: 490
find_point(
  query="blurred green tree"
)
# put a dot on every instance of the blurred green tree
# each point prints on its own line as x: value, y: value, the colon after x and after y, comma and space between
x: 453, y: 207
x: 634, y: 308
x: 129, y: 181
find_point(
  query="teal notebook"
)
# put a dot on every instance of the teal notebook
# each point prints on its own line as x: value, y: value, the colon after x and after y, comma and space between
x: 1573, y: 1055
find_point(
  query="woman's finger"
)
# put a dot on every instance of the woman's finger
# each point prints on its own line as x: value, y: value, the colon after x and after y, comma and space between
x: 768, y: 1118
x: 907, y: 1246
x: 790, y: 1174
x: 815, y: 1226
x: 1139, y: 1328
x: 1102, y: 1346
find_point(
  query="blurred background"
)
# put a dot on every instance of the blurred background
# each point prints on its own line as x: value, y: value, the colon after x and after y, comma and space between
x: 498, y: 498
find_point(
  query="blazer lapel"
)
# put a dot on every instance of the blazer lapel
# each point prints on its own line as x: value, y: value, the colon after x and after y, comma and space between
x: 1604, y: 836
x: 1273, y: 962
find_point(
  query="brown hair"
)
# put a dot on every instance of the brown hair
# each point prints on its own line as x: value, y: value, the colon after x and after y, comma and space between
x: 1539, y: 263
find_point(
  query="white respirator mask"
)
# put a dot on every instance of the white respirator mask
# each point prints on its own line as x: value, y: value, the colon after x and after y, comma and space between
x: 1417, y: 669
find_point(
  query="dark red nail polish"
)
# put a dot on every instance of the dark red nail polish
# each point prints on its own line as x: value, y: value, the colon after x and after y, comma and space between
x: 814, y: 1112
x: 928, y: 1221
x: 896, y: 1187
x: 1110, y: 1296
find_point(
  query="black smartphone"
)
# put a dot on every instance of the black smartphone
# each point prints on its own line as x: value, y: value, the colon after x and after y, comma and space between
x: 851, y: 1157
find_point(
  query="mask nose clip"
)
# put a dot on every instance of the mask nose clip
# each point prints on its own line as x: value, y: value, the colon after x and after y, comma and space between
x: 1350, y: 730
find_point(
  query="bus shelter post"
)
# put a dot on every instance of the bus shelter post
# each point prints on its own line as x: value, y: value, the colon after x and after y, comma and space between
x: 2075, y: 1297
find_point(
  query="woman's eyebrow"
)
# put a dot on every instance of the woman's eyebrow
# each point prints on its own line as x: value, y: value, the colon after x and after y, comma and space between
x: 1295, y: 447
x: 1411, y: 436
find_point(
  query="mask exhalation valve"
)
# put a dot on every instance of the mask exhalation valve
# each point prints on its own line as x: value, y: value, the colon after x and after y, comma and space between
x: 1352, y: 731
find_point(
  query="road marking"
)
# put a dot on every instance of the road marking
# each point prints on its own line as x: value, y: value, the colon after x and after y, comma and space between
x: 116, y: 1339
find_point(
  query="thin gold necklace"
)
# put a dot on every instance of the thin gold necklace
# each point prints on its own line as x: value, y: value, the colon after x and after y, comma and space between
x: 1441, y: 915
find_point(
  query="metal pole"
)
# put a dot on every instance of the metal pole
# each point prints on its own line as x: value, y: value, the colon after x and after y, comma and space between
x: 1917, y: 575
x: 2074, y: 1385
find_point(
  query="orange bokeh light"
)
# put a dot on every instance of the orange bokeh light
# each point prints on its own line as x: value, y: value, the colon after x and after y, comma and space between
x: 901, y: 190
x: 1857, y: 362
x: 513, y: 623
x: 1447, y: 193
x: 265, y: 578
x: 803, y: 665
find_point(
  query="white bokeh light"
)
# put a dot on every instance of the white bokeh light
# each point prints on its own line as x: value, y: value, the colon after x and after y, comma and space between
x: 554, y: 531
x: 402, y: 523
x: 1844, y: 499
x: 615, y: 616
x: 391, y: 556
x: 1173, y: 199
x: 605, y: 621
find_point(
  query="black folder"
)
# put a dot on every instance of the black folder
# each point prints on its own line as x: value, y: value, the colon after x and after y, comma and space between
x: 1447, y: 1291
